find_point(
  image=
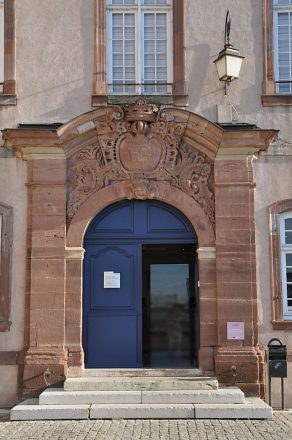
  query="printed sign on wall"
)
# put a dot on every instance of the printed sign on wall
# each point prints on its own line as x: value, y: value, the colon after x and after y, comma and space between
x: 235, y: 330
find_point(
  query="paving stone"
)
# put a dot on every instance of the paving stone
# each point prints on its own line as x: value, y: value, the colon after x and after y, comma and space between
x: 278, y: 428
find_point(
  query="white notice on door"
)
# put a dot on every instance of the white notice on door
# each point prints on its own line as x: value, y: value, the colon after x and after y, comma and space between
x: 111, y: 280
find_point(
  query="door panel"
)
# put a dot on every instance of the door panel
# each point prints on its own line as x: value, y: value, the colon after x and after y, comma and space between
x: 113, y: 342
x: 112, y: 315
x: 120, y: 260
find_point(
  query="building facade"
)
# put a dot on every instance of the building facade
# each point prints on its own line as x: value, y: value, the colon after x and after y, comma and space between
x: 146, y: 217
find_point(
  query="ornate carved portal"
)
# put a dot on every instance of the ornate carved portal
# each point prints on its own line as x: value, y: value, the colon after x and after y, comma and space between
x: 142, y: 146
x: 140, y: 152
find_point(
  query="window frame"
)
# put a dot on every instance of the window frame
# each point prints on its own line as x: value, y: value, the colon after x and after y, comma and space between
x: 278, y: 213
x: 285, y: 249
x: 179, y: 93
x: 8, y: 94
x: 6, y: 237
x: 270, y: 97
x: 139, y: 11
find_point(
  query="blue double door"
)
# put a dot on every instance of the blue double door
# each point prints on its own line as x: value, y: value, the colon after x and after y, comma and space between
x: 140, y: 300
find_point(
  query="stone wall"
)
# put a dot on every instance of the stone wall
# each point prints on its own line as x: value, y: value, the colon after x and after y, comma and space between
x: 13, y: 193
x: 274, y: 183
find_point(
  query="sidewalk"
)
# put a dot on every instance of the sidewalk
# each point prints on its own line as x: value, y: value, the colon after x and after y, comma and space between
x: 279, y: 428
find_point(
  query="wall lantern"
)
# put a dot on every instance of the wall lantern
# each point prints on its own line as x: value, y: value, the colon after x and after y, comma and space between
x: 229, y: 61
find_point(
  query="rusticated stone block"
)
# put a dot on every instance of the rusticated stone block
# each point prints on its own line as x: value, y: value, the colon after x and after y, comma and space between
x: 75, y: 357
x: 235, y: 269
x: 235, y: 290
x: 33, y: 376
x: 206, y: 358
x: 235, y: 366
x: 48, y: 171
x: 232, y: 171
x: 232, y: 210
x: 208, y: 334
x: 49, y: 201
x: 237, y: 237
x: 43, y: 268
x: 207, y: 271
x: 208, y: 309
x: 235, y: 223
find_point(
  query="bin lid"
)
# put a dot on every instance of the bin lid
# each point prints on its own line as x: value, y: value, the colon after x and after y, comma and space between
x: 281, y: 346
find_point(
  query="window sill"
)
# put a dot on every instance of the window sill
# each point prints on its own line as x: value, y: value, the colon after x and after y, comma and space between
x: 177, y: 100
x: 279, y: 325
x: 274, y: 100
x: 6, y: 99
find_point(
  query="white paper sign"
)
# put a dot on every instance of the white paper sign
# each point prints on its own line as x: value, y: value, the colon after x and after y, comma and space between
x: 111, y: 280
x: 235, y: 330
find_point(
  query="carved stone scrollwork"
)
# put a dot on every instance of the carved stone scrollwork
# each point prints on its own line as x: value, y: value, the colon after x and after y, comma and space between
x: 141, y: 150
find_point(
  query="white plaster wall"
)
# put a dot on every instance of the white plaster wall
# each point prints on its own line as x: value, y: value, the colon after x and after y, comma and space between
x: 205, y: 21
x: 8, y: 385
x: 13, y: 193
x: 274, y: 183
x: 55, y: 62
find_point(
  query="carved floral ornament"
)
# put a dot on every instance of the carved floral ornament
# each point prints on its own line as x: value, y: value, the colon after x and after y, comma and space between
x: 140, y: 146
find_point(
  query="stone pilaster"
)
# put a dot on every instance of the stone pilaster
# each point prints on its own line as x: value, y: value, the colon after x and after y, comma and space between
x: 236, y: 361
x: 45, y: 289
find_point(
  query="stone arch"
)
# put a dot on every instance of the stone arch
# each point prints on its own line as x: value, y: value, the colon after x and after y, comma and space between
x: 145, y: 152
x: 138, y: 152
x: 162, y: 192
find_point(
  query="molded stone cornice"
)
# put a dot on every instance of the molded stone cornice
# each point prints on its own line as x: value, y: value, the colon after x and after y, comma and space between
x: 246, y: 141
x: 196, y: 132
x: 34, y: 144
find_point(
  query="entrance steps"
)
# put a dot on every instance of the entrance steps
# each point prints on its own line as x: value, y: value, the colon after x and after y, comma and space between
x: 143, y: 396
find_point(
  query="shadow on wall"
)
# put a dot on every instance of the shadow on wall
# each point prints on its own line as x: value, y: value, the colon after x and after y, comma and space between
x: 199, y: 61
x: 73, y: 102
x: 250, y: 97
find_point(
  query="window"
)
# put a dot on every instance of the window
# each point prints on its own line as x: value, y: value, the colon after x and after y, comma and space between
x: 7, y: 53
x: 283, y: 45
x: 286, y: 263
x: 1, y: 45
x: 139, y: 50
x: 281, y: 263
x: 5, y: 264
x: 139, y: 46
x: 277, y: 83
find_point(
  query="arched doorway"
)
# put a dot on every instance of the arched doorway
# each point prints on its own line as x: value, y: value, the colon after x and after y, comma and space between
x: 140, y: 305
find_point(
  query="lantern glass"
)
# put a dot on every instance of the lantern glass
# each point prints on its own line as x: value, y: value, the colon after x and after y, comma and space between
x: 233, y: 65
x: 228, y: 64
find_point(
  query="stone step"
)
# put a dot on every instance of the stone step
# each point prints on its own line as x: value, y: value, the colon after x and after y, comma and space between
x: 31, y: 410
x: 134, y: 372
x: 139, y: 383
x: 55, y: 396
x: 254, y: 408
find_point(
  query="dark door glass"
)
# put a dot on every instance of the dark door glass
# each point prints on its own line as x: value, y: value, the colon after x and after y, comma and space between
x: 169, y: 306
